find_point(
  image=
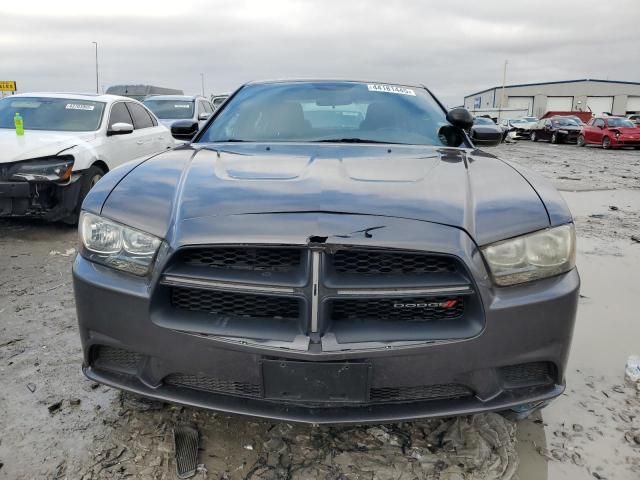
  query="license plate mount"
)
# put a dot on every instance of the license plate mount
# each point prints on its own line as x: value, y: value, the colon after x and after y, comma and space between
x: 327, y: 382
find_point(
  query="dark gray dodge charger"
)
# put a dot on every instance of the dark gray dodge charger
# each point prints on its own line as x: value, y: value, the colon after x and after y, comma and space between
x: 327, y: 252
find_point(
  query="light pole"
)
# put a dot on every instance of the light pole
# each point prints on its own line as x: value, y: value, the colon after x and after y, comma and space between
x: 504, y: 81
x: 97, y: 81
x: 202, y: 79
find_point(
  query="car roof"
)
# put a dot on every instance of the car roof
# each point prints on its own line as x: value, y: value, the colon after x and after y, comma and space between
x: 107, y: 98
x: 331, y: 80
x: 175, y: 97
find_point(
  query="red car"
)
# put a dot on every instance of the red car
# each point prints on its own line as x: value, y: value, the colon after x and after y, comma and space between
x: 610, y: 132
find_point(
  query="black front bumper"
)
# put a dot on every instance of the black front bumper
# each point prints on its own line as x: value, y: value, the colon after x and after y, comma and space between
x: 517, y: 360
x: 46, y: 200
x: 530, y: 398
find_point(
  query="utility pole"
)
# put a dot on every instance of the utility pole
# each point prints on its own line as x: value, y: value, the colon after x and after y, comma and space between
x: 504, y: 82
x: 202, y: 79
x: 97, y: 78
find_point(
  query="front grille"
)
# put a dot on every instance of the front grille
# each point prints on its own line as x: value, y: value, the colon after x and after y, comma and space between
x: 372, y: 262
x: 402, y: 309
x: 214, y: 385
x: 251, y: 259
x: 528, y: 374
x: 421, y: 392
x: 243, y: 288
x: 235, y: 304
x: 118, y: 359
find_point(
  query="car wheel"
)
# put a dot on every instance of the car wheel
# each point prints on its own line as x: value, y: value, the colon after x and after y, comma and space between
x: 554, y: 137
x: 91, y: 176
x: 606, y: 143
x: 581, y: 142
x: 534, y: 137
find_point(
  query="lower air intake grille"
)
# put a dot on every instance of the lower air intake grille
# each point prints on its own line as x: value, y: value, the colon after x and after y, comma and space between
x: 240, y: 258
x: 118, y: 359
x: 207, y: 384
x: 402, y: 309
x: 422, y: 392
x: 390, y: 263
x: 235, y: 304
x: 528, y: 374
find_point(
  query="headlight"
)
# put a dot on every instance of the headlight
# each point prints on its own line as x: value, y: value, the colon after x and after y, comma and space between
x: 564, y: 132
x: 117, y: 246
x: 532, y: 257
x: 51, y: 169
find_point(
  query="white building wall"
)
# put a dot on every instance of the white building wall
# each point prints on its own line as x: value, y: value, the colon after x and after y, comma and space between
x: 580, y: 91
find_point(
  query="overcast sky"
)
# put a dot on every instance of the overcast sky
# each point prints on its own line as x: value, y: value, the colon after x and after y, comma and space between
x: 455, y: 47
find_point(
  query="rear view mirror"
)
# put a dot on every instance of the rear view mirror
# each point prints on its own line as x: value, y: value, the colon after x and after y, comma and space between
x: 184, y: 130
x: 460, y: 117
x: 204, y: 116
x: 120, y: 128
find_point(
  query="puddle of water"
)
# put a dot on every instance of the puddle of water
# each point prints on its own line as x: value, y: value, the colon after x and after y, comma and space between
x: 606, y: 333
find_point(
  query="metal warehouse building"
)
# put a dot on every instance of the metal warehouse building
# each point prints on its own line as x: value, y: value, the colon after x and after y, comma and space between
x: 597, y: 96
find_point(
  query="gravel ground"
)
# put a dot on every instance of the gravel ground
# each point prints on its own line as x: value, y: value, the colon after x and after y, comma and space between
x: 55, y: 424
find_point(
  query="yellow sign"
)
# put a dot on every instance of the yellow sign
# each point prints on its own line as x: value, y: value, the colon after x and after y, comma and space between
x: 8, y: 86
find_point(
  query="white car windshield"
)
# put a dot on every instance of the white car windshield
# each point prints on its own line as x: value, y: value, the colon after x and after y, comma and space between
x: 329, y: 112
x: 171, y: 109
x: 56, y: 114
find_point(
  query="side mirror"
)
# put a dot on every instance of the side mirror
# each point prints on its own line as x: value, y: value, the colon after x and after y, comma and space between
x: 460, y: 117
x: 184, y: 130
x: 204, y: 116
x: 120, y: 128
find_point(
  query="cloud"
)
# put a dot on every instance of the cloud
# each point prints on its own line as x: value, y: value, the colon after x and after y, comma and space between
x: 454, y: 47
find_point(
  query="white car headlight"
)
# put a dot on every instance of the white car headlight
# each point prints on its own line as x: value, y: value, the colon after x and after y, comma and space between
x: 531, y: 257
x: 117, y: 246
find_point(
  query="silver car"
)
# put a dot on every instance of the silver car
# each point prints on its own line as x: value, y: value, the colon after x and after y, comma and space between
x: 171, y: 108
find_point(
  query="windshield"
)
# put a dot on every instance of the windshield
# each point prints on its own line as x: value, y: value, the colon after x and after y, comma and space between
x: 564, y: 122
x: 620, y: 122
x: 518, y: 120
x: 483, y: 121
x: 170, y: 109
x: 329, y: 111
x: 530, y: 119
x: 57, y: 114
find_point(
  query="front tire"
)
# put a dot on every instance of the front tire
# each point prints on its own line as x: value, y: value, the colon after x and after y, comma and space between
x: 606, y: 143
x: 534, y: 137
x: 90, y: 177
x: 554, y: 138
x: 581, y: 141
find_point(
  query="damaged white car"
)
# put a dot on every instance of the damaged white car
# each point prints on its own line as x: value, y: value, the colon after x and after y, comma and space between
x: 55, y: 147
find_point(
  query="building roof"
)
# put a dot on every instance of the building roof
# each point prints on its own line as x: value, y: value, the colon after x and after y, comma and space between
x: 553, y: 83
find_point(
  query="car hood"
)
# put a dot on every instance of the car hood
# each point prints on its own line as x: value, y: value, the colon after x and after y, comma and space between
x: 38, y: 143
x: 627, y: 130
x: 467, y: 189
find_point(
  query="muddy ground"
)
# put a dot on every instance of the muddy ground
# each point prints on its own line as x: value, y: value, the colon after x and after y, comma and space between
x: 55, y: 424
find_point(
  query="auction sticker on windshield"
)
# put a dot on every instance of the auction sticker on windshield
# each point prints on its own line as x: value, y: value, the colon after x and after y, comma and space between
x: 79, y: 106
x: 390, y: 89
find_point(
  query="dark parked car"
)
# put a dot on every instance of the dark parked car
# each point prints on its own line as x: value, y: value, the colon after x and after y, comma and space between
x: 309, y: 267
x: 556, y: 130
x: 486, y: 132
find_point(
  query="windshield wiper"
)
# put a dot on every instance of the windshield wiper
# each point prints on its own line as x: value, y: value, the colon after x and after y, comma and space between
x: 350, y: 140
